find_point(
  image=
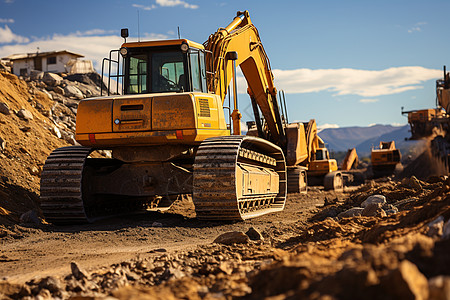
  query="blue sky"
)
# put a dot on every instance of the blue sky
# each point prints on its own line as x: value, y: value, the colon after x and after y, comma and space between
x: 344, y: 63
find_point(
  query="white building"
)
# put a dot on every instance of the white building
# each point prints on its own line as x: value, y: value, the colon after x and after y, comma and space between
x: 54, y: 62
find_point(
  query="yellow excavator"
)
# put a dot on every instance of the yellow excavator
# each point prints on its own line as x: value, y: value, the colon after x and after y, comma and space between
x: 169, y: 137
x: 385, y: 158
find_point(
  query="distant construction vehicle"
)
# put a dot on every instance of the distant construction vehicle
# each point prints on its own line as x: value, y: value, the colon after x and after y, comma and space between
x: 424, y: 121
x: 385, y: 158
x: 169, y: 136
x: 350, y: 161
x: 434, y: 123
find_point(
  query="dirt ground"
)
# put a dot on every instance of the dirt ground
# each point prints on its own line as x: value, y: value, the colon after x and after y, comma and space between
x: 306, y: 251
x: 45, y: 250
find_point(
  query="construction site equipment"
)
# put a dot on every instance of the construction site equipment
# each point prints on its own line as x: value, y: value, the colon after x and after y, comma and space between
x: 434, y: 124
x: 350, y: 161
x: 424, y: 121
x: 169, y: 137
x: 385, y: 158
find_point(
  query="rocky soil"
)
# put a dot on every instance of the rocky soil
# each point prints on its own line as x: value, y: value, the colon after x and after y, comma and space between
x: 37, y: 115
x: 386, y: 239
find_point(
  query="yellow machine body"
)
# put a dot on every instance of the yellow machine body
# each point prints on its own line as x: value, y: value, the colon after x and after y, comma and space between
x: 168, y: 118
x: 322, y: 165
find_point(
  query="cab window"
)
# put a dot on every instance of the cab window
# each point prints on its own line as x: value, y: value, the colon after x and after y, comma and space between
x: 203, y: 71
x: 137, y: 74
x: 319, y: 155
x: 167, y: 72
x: 195, y: 72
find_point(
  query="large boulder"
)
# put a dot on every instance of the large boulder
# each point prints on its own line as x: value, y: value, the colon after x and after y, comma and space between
x: 52, y: 79
x: 233, y: 237
x: 36, y: 75
x: 73, y: 91
x: 374, y: 199
x: 352, y: 212
x: 373, y: 210
x: 92, y: 79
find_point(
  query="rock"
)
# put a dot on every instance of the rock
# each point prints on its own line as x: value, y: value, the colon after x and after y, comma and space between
x: 374, y: 199
x: 232, y: 237
x: 158, y: 250
x: 56, y: 132
x: 59, y: 90
x: 24, y: 291
x: 373, y: 210
x: 30, y: 217
x: 439, y: 287
x: 412, y: 182
x: 70, y: 103
x: 435, y: 227
x: 52, y: 79
x: 36, y: 75
x: 172, y: 273
x: 352, y: 212
x: 47, y: 93
x: 44, y: 294
x: 25, y: 114
x: 77, y: 272
x: 2, y: 144
x: 406, y: 282
x: 50, y: 283
x: 4, y: 108
x: 72, y: 91
x: 157, y: 224
x: 254, y: 234
x: 390, y: 209
x: 446, y: 230
x: 47, y: 113
x: 25, y: 128
x: 33, y: 170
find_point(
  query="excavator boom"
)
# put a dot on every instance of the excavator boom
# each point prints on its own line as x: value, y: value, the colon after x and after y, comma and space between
x: 242, y: 37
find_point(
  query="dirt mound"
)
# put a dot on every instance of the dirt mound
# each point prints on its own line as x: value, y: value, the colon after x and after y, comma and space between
x: 35, y: 119
x: 27, y: 144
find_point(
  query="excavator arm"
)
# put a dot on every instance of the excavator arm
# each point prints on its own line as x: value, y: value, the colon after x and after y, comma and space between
x: 242, y: 37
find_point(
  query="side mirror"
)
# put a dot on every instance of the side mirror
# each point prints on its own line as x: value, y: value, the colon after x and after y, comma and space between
x: 124, y: 33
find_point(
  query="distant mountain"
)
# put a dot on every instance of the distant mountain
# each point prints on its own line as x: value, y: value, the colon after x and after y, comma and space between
x: 341, y: 139
x: 399, y: 135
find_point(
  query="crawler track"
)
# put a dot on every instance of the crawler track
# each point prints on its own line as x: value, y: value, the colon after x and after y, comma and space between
x: 215, y: 192
x: 61, y: 185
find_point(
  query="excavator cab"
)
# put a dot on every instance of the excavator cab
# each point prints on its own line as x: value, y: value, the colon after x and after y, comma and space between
x: 153, y: 67
x: 322, y: 154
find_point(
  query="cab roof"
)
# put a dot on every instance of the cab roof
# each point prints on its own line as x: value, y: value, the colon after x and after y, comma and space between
x: 162, y: 43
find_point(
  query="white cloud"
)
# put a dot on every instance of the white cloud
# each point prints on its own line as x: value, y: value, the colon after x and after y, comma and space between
x: 417, y: 27
x: 325, y: 126
x: 6, y: 20
x: 176, y: 3
x: 144, y: 7
x: 7, y: 36
x: 365, y: 83
x: 368, y: 100
x: 95, y: 32
x: 93, y: 47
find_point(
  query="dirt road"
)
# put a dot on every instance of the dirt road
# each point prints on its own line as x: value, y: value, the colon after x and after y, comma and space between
x: 33, y: 252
